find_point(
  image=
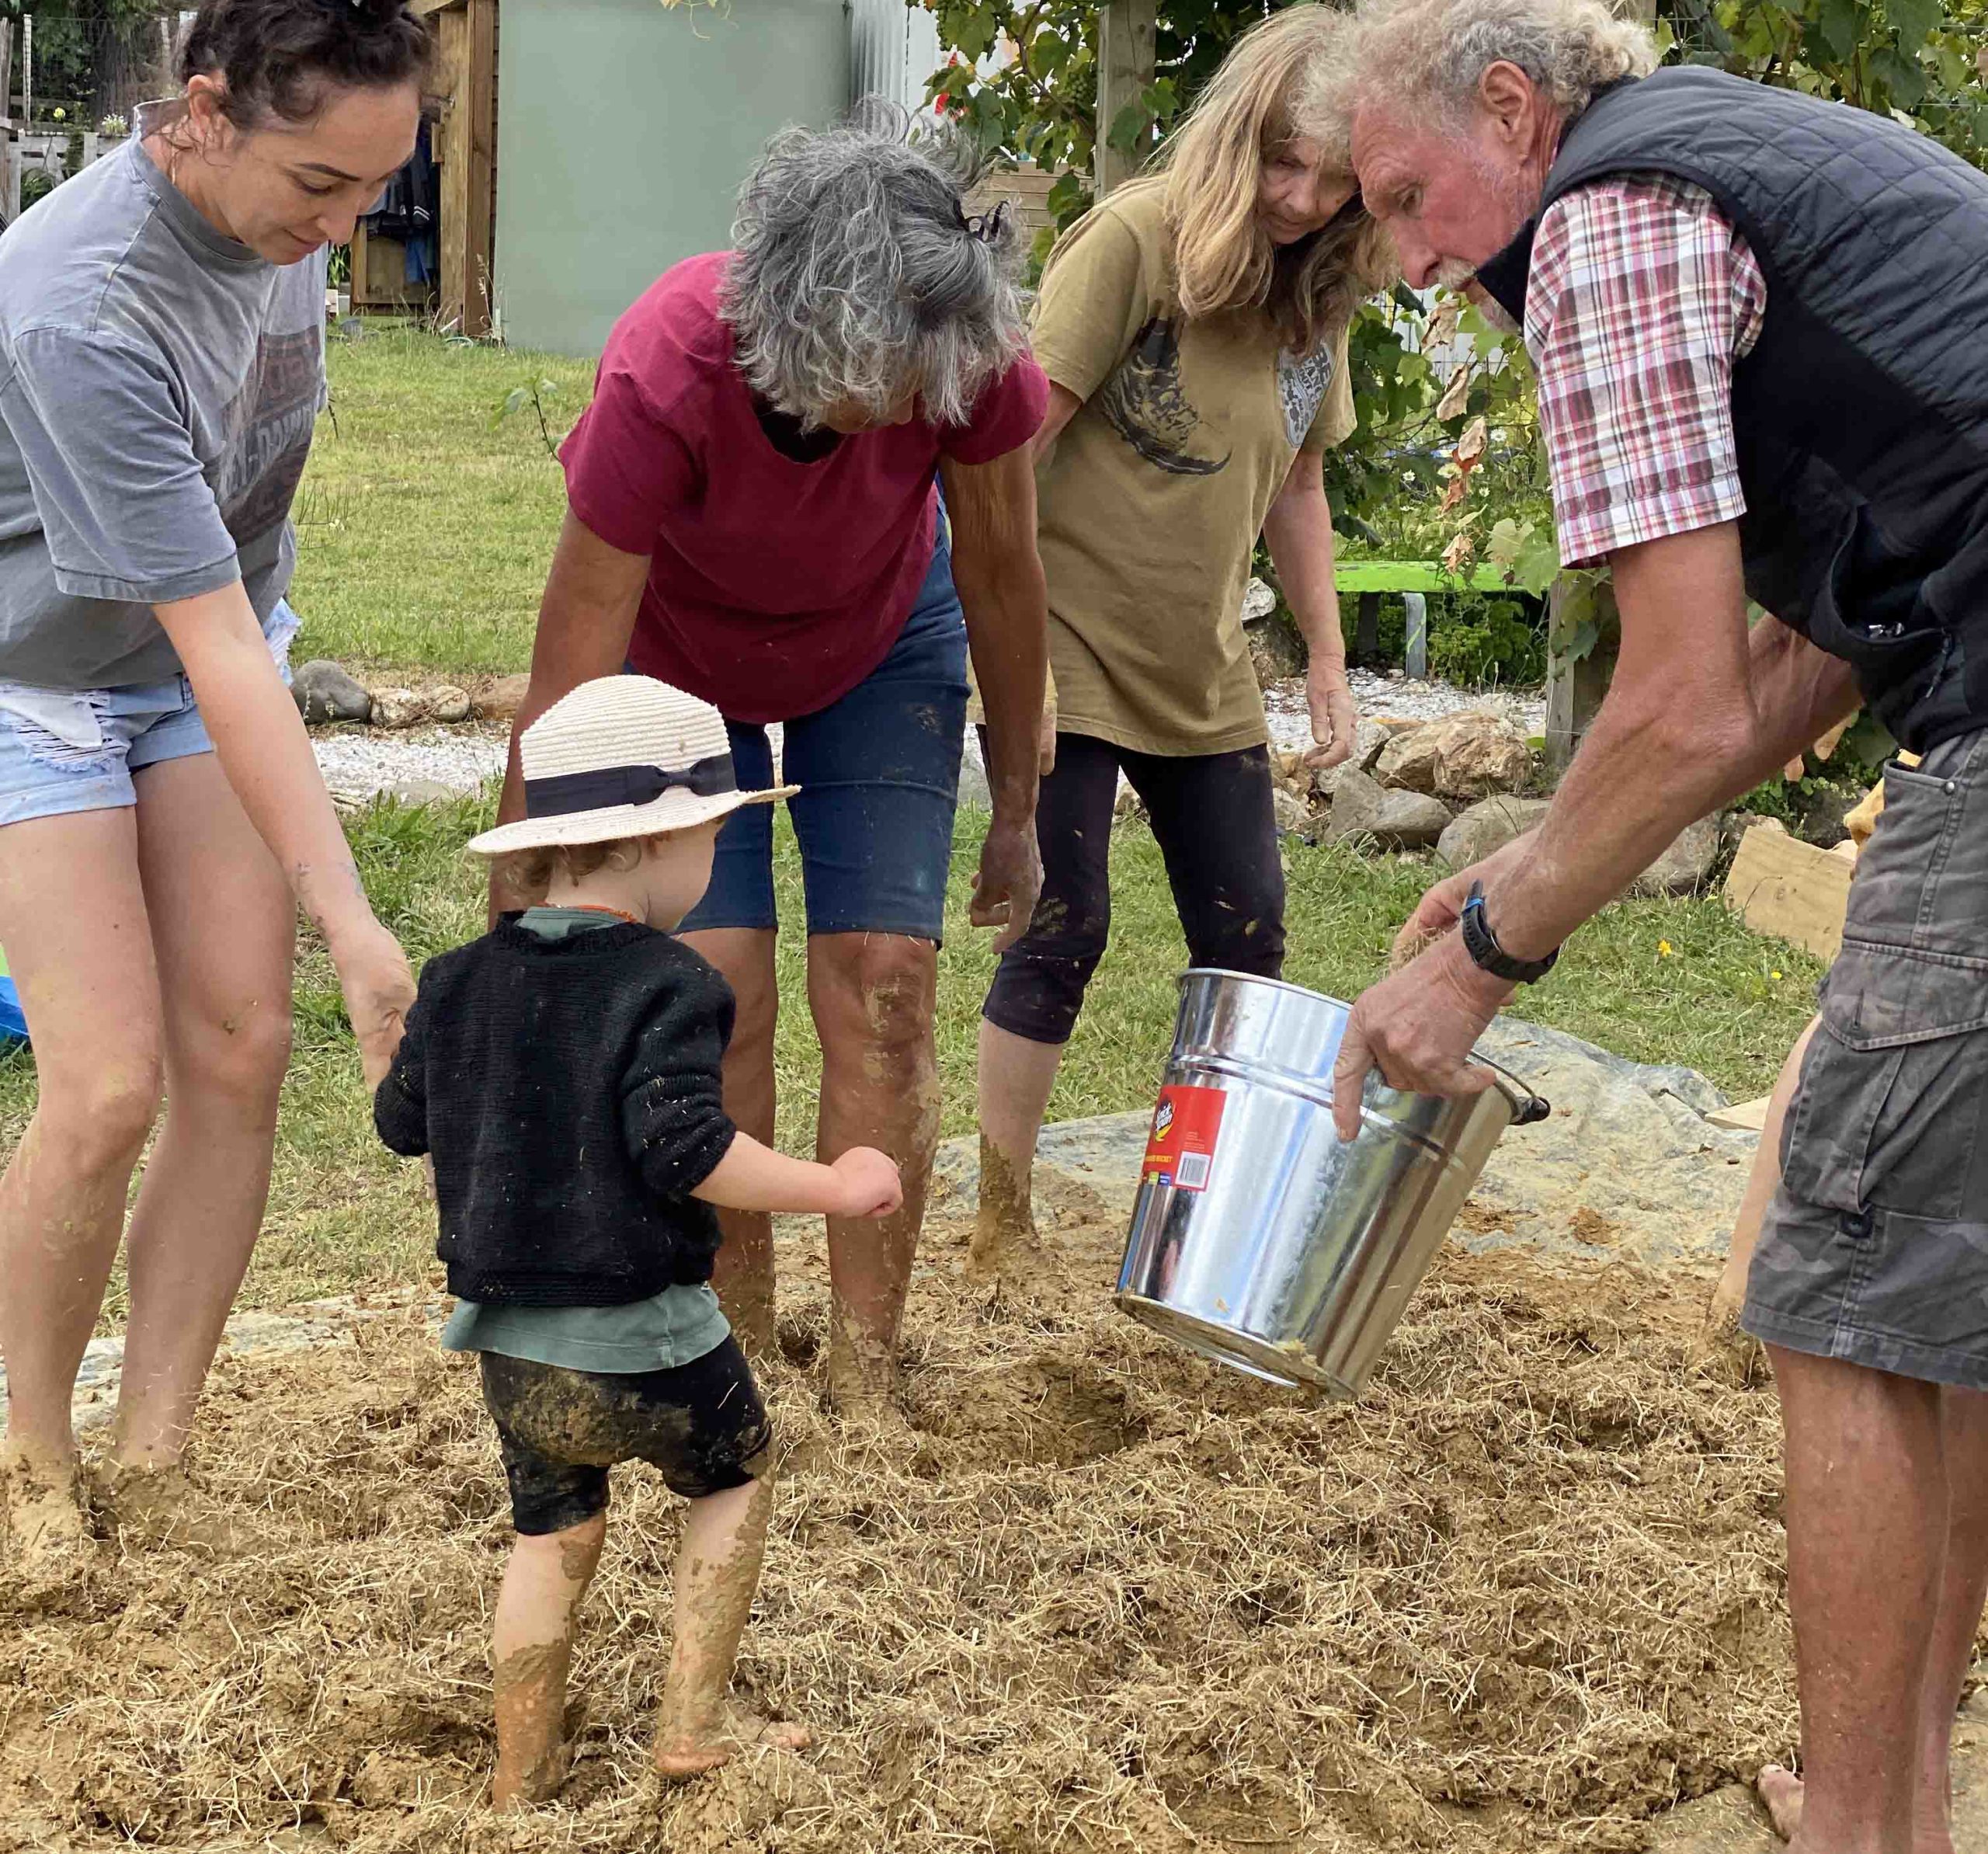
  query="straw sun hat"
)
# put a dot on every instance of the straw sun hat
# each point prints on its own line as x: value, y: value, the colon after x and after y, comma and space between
x: 622, y: 757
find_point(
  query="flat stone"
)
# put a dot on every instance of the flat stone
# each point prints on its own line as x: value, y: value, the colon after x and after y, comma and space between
x: 325, y: 693
x: 1364, y: 808
x: 1487, y: 827
x: 422, y: 792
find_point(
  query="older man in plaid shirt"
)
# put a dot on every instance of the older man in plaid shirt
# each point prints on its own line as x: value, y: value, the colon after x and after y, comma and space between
x: 1758, y: 322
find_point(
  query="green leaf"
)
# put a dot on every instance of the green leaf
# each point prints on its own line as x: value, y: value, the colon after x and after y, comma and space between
x: 1903, y: 76
x: 1838, y: 22
x: 1129, y: 129
x: 1916, y: 20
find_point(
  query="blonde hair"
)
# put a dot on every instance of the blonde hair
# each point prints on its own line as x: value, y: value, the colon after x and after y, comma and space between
x: 526, y: 875
x: 1413, y: 52
x: 1222, y: 257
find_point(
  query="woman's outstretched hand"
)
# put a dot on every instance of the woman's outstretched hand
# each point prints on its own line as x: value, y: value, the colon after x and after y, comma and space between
x: 378, y: 984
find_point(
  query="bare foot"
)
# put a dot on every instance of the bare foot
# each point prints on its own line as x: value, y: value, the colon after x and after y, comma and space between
x: 511, y: 1790
x: 161, y: 1507
x: 1004, y: 1234
x: 862, y: 1373
x: 1781, y: 1790
x: 690, y: 1751
x: 48, y: 1535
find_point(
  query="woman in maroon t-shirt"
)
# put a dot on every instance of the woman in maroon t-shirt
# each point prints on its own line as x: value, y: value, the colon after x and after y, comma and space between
x: 753, y: 516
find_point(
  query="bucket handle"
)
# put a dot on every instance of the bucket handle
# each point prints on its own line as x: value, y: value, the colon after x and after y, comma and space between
x: 1528, y: 1109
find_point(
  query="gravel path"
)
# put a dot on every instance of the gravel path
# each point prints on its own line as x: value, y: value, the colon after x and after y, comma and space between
x: 359, y: 764
x: 1290, y: 723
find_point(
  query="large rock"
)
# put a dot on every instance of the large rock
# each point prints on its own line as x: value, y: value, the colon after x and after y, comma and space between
x: 1487, y: 827
x: 1293, y: 816
x: 398, y: 707
x: 324, y: 693
x: 445, y: 702
x: 1391, y: 819
x: 1687, y: 866
x: 502, y: 698
x: 1463, y: 756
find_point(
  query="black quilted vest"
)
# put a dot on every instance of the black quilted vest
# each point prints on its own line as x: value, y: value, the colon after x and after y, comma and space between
x: 1862, y: 414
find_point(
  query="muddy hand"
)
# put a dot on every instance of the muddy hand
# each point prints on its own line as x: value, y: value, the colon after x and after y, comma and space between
x: 1008, y: 881
x: 1418, y: 1028
x: 1335, y: 721
x: 870, y: 1184
x: 378, y: 986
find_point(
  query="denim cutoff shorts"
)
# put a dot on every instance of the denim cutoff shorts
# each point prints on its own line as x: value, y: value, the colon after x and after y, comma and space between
x: 65, y: 750
x: 879, y: 773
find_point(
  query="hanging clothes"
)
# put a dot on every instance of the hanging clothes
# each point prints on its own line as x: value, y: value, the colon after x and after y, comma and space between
x: 409, y: 211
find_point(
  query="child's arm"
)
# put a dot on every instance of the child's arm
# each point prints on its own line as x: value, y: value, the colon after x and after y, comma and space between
x: 863, y: 1182
x: 687, y: 1146
x: 400, y: 1103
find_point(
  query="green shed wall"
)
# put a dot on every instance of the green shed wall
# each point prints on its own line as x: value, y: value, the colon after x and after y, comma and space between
x: 624, y: 131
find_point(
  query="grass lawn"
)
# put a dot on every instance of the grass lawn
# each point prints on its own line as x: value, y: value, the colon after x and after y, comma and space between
x: 425, y: 534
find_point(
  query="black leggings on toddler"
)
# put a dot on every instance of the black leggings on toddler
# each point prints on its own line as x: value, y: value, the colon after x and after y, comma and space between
x: 1217, y: 829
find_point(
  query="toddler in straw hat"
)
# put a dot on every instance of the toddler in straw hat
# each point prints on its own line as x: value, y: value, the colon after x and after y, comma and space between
x: 563, y: 1073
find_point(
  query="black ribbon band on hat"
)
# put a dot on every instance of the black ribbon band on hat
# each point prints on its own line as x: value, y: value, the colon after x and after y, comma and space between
x: 612, y: 785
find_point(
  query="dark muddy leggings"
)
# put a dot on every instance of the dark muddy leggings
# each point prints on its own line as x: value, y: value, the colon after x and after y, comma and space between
x: 1212, y: 815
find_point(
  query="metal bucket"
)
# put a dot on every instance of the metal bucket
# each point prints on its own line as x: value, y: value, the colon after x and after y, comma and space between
x: 1259, y: 1239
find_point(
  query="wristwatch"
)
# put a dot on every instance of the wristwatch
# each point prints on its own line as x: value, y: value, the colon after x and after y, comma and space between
x: 1481, y: 944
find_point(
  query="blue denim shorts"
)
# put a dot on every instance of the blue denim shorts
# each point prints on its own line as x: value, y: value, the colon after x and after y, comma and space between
x: 64, y: 750
x: 879, y: 773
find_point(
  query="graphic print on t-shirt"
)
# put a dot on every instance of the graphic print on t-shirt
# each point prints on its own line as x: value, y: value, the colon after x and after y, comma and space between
x: 1144, y: 403
x: 1301, y: 383
x: 275, y: 414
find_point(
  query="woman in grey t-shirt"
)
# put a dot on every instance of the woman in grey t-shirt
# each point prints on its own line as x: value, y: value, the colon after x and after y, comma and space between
x: 161, y: 816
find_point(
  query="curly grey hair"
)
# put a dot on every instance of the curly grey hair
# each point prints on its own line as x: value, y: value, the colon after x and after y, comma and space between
x: 856, y: 278
x: 1412, y: 52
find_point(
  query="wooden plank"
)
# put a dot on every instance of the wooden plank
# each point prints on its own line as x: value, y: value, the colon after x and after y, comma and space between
x: 1413, y: 576
x: 1743, y: 1116
x: 1783, y: 886
x: 466, y: 153
x: 423, y: 10
x: 1128, y: 38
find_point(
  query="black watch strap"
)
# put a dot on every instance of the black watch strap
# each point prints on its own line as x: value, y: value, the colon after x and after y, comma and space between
x: 1481, y: 944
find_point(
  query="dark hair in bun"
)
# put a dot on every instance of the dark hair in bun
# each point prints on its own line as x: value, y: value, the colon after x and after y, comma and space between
x: 279, y: 57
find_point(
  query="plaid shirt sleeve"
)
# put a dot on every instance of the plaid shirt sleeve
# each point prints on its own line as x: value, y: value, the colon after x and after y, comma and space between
x: 1642, y: 296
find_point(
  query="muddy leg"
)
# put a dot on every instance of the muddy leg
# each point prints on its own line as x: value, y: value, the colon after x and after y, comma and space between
x: 1016, y: 1078
x: 531, y: 1651
x: 874, y: 996
x: 718, y: 1572
x: 744, y: 1275
x: 73, y: 919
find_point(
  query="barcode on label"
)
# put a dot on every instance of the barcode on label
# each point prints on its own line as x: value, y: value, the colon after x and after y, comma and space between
x: 1192, y: 1172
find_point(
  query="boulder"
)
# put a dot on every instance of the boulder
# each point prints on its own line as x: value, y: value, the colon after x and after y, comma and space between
x: 1487, y: 827
x: 324, y: 693
x: 395, y: 707
x: 502, y: 698
x: 1687, y: 866
x: 1462, y: 756
x: 1390, y: 819
x: 1259, y: 600
x: 1408, y: 761
x: 1479, y: 756
x: 1293, y: 816
x: 445, y: 702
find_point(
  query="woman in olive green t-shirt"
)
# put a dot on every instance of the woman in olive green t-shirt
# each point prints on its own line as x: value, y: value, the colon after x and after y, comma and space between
x: 1194, y: 328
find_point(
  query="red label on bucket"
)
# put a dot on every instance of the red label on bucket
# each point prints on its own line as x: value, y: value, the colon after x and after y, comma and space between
x: 1180, y: 1149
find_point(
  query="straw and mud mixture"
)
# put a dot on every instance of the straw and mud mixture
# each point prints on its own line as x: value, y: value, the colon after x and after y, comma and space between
x: 1096, y: 1595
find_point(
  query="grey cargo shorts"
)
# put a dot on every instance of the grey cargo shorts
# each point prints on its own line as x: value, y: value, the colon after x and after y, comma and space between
x: 1876, y: 1248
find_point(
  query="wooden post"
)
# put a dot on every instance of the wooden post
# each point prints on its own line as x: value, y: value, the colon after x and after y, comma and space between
x: 1574, y: 690
x: 1128, y: 34
x: 468, y: 155
x: 6, y: 68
